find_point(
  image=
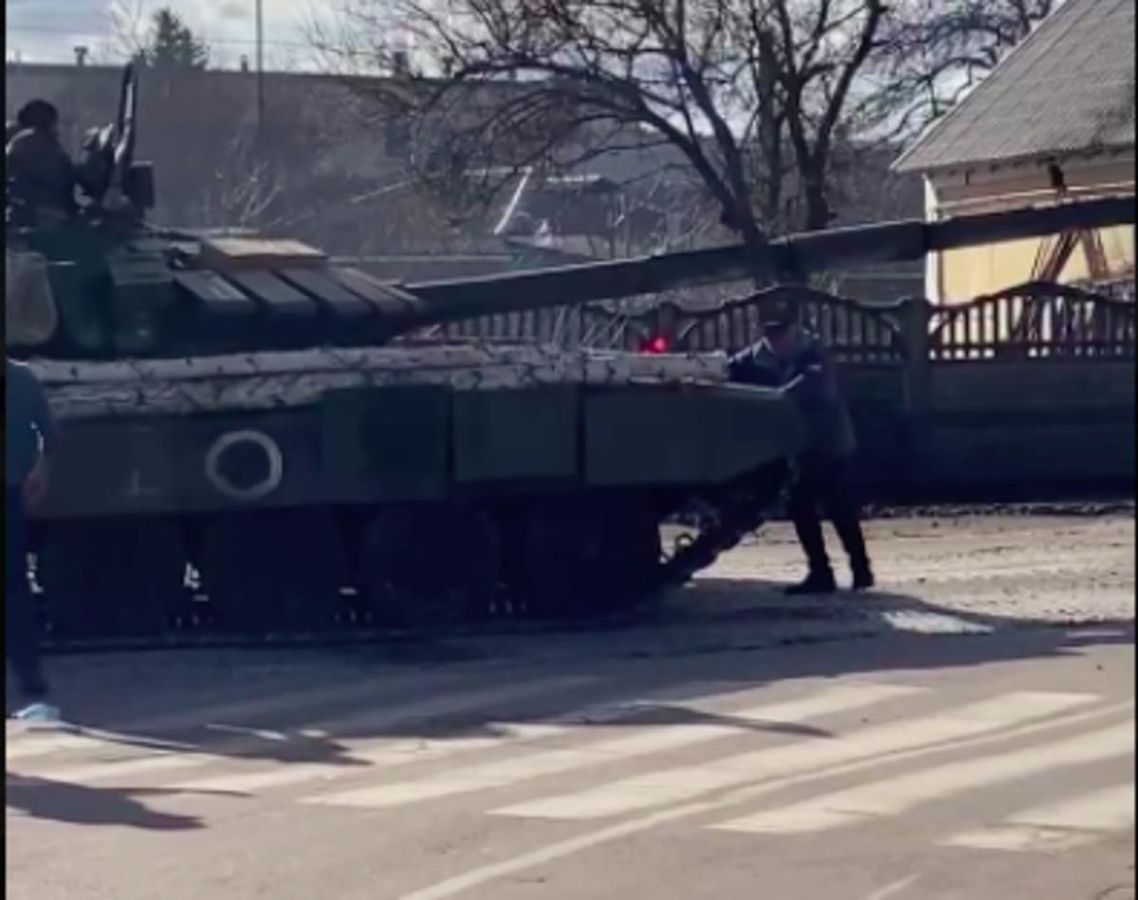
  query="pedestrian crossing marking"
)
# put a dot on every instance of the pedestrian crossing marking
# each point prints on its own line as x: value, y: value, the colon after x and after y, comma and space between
x: 894, y: 796
x: 998, y: 718
x: 45, y: 740
x: 22, y: 744
x: 379, y: 718
x: 1070, y: 823
x: 685, y: 782
x: 388, y: 754
x: 656, y: 739
x: 606, y: 834
x: 395, y: 752
x: 397, y: 749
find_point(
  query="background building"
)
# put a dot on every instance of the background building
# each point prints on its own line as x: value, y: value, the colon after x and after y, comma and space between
x: 1054, y: 120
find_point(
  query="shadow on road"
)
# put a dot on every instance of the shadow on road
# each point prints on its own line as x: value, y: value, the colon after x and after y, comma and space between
x: 718, y: 630
x: 41, y: 798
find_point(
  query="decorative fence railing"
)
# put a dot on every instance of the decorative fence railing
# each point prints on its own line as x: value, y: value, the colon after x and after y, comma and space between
x: 854, y: 332
x: 1034, y: 320
x: 563, y: 326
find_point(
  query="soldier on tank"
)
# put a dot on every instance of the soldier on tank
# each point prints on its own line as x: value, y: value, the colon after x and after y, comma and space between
x: 791, y: 357
x: 41, y: 174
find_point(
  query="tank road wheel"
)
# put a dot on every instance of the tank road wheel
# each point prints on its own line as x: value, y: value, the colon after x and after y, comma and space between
x: 112, y: 577
x: 585, y: 558
x: 273, y: 570
x: 430, y: 565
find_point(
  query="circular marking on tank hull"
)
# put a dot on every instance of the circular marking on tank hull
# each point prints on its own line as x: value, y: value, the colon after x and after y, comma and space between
x: 224, y: 485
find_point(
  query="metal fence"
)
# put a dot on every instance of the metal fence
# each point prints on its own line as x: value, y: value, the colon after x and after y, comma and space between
x: 1034, y: 320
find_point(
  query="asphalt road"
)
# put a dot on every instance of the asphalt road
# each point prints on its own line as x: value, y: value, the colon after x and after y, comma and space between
x: 965, y: 732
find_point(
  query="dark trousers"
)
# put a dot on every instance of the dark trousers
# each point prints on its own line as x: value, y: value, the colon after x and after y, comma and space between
x: 824, y: 482
x: 22, y: 638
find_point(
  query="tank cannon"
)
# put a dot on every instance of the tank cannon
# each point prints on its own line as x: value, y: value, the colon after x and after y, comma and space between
x: 165, y: 293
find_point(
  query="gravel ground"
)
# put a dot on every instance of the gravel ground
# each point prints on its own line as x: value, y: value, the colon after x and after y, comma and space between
x: 936, y: 575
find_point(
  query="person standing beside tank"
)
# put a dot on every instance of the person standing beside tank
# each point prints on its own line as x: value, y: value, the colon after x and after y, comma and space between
x: 794, y: 359
x: 31, y: 435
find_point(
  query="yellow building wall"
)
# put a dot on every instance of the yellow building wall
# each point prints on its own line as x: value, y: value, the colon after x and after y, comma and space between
x: 960, y: 275
x: 973, y: 271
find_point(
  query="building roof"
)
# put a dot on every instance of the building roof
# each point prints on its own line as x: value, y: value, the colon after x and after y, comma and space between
x: 1067, y: 88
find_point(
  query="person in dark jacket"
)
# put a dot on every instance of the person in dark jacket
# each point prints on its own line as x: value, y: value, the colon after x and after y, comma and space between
x: 794, y: 359
x: 40, y: 171
x: 30, y: 437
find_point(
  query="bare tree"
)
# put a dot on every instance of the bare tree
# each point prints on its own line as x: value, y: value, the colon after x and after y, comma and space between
x: 127, y: 19
x: 745, y: 90
x: 935, y: 51
x: 242, y: 186
x: 230, y: 183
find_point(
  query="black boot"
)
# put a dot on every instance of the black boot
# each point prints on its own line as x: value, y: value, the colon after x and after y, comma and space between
x: 862, y: 577
x: 849, y: 530
x: 819, y: 581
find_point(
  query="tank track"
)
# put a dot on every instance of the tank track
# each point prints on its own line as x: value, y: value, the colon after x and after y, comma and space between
x: 718, y: 522
x: 723, y: 521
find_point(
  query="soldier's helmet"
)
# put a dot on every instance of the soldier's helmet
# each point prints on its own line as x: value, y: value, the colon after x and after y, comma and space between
x: 37, y: 114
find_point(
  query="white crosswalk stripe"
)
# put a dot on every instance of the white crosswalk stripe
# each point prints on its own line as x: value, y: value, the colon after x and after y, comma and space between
x: 514, y: 770
x: 394, y: 752
x: 384, y: 752
x: 384, y: 717
x: 683, y: 783
x: 893, y: 796
x: 21, y: 745
x: 1073, y: 822
x: 390, y: 755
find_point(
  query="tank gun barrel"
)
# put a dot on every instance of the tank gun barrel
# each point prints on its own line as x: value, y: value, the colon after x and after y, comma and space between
x: 838, y: 248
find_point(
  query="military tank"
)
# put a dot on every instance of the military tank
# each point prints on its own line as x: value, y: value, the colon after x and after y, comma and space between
x: 254, y: 443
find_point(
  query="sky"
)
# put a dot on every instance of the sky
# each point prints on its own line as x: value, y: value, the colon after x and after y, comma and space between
x: 49, y: 30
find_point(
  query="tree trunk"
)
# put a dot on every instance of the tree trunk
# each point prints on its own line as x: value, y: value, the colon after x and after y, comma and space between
x: 818, y: 212
x: 770, y: 133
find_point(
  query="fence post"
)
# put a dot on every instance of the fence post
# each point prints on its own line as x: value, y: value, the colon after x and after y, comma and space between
x: 667, y: 323
x: 915, y: 318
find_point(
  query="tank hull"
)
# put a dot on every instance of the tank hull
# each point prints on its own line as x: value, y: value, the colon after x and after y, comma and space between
x: 309, y: 492
x: 182, y: 438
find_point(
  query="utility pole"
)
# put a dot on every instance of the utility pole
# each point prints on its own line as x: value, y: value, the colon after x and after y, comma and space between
x: 260, y: 69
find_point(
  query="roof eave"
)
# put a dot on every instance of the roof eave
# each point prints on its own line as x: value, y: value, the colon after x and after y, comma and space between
x: 930, y: 132
x: 903, y: 166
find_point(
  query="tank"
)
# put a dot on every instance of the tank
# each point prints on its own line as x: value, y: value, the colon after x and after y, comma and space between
x: 253, y: 442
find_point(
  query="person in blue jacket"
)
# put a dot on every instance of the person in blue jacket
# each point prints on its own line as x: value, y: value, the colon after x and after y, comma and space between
x: 791, y: 357
x: 30, y: 436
